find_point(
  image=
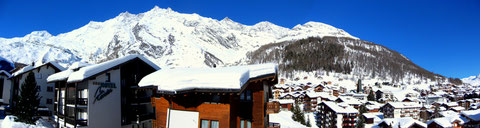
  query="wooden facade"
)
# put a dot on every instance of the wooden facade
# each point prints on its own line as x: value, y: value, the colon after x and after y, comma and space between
x: 229, y: 108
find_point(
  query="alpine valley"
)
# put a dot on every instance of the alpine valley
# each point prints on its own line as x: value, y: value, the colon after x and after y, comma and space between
x: 173, y: 39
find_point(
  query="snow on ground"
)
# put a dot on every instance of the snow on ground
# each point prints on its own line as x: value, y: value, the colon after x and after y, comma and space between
x: 9, y: 122
x: 286, y: 121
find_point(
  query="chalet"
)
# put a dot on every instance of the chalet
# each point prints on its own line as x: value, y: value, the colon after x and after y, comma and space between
x: 434, y: 98
x: 446, y: 122
x: 5, y: 86
x: 361, y: 97
x: 286, y: 105
x: 349, y: 100
x: 45, y: 90
x: 234, y: 97
x: 401, y: 109
x: 310, y: 101
x: 404, y: 122
x: 276, y: 93
x: 373, y: 118
x: 373, y: 106
x: 473, y: 118
x: 319, y: 88
x: 330, y: 114
x: 273, y: 107
x: 104, y: 95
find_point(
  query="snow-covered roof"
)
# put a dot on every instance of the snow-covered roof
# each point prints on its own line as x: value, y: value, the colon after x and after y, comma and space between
x: 286, y: 101
x: 335, y: 107
x: 472, y: 114
x: 349, y: 100
x: 63, y: 75
x: 225, y: 78
x: 6, y: 73
x: 458, y: 108
x: 79, y: 64
x: 374, y: 115
x: 405, y: 104
x: 30, y: 67
x: 92, y: 70
x: 447, y: 121
x: 60, y: 76
x: 404, y: 122
x: 441, y: 121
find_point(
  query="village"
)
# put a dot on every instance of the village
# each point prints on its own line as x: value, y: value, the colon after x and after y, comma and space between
x: 380, y: 104
x: 131, y: 91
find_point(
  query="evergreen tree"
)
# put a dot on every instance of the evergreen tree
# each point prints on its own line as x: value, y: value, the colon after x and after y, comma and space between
x: 28, y: 101
x: 308, y: 123
x: 361, y: 119
x: 295, y: 112
x: 371, y: 96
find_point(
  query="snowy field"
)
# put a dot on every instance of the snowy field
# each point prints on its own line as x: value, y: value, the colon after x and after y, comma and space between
x: 9, y: 122
x: 286, y: 121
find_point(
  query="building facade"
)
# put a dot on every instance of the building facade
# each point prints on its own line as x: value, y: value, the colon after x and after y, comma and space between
x: 401, y: 109
x: 221, y: 103
x: 5, y: 87
x: 105, y: 95
x: 45, y: 90
x: 330, y: 115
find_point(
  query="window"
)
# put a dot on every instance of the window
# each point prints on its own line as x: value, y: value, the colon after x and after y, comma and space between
x: 1, y: 87
x: 246, y: 95
x: 38, y: 88
x: 108, y: 77
x: 49, y: 89
x: 209, y: 124
x: 205, y: 123
x: 214, y: 124
x: 245, y: 124
x: 49, y: 101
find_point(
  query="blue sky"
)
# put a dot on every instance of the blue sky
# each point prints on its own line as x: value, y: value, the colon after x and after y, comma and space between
x: 441, y: 36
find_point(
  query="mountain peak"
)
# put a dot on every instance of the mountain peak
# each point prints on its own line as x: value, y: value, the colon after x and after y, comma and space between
x: 41, y: 33
x: 226, y: 19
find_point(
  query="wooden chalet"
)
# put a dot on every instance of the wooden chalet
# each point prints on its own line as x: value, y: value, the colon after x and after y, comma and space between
x: 234, y: 97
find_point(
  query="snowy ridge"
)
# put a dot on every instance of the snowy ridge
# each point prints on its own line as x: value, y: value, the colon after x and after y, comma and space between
x: 473, y: 80
x: 169, y: 38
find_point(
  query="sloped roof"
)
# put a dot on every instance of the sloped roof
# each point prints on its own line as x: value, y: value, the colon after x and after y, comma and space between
x: 472, y: 114
x: 6, y: 73
x: 30, y: 67
x: 92, y: 70
x: 223, y: 78
x: 404, y: 122
x: 335, y: 107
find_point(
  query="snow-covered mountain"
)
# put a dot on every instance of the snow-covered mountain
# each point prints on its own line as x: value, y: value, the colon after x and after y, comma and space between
x: 170, y: 38
x: 173, y: 39
x: 473, y: 80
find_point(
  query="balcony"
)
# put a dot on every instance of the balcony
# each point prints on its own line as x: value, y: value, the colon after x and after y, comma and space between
x: 70, y: 101
x: 147, y: 116
x: 82, y: 101
x: 143, y: 100
x: 72, y: 121
x: 273, y: 107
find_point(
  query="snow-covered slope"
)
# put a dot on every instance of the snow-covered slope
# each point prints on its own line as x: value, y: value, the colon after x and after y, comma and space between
x: 170, y: 38
x: 473, y: 80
